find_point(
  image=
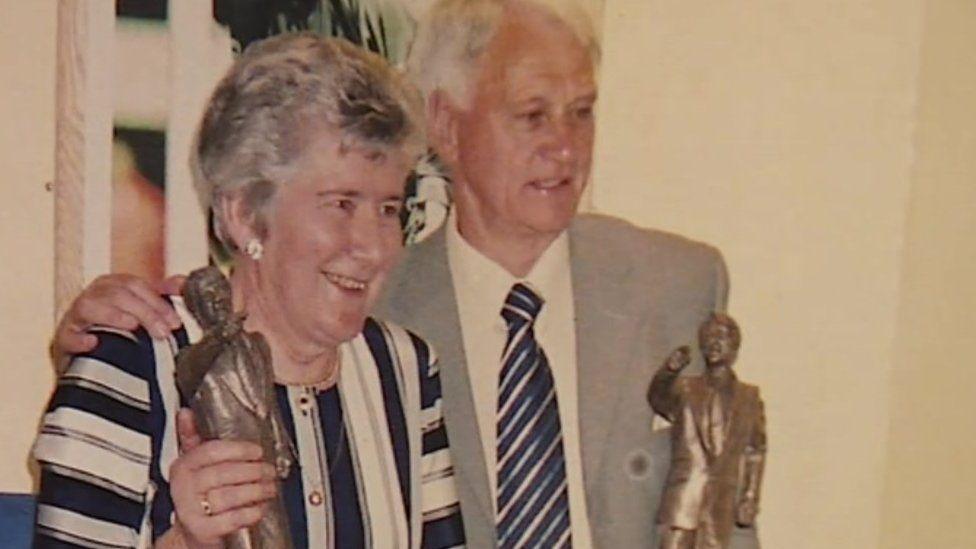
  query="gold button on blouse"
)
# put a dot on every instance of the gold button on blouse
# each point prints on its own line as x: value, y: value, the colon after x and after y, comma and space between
x: 305, y: 403
x: 315, y: 498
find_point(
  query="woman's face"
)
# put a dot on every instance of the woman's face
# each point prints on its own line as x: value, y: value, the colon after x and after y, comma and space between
x: 333, y: 236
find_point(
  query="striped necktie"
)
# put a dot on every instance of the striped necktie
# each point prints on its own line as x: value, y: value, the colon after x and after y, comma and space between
x: 532, y: 503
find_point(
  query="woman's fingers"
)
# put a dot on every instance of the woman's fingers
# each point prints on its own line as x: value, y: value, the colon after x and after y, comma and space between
x: 220, y: 475
x: 228, y: 498
x: 186, y: 430
x: 219, y: 486
x: 217, y: 451
x: 235, y: 519
x: 207, y: 530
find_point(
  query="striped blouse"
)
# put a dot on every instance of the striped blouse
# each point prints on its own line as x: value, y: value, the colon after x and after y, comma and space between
x: 374, y: 465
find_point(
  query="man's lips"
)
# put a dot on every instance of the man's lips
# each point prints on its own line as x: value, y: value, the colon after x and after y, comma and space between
x: 346, y: 282
x: 549, y: 183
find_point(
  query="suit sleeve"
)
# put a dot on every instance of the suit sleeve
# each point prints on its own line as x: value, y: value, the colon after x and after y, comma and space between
x: 755, y: 456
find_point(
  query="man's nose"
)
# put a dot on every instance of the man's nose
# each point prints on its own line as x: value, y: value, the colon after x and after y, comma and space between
x: 561, y: 143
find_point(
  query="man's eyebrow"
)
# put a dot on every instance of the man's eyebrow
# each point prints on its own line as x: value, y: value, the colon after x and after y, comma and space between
x: 589, y: 97
x: 346, y: 193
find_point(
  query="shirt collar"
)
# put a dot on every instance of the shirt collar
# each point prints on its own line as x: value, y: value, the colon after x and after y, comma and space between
x: 477, y: 273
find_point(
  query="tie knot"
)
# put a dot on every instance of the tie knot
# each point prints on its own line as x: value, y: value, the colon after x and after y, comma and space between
x: 521, y: 305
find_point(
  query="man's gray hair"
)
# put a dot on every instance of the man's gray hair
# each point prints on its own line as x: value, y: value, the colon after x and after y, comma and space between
x: 273, y: 100
x: 454, y: 33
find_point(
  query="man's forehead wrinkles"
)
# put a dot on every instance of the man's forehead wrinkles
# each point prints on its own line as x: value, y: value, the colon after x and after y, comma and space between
x: 522, y: 78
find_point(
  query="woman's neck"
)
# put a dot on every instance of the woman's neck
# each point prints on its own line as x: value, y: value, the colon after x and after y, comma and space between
x: 294, y: 359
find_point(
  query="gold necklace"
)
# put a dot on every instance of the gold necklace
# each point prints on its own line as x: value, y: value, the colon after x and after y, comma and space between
x: 327, y: 381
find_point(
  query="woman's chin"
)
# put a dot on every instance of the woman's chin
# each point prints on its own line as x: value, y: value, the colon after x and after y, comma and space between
x: 346, y: 327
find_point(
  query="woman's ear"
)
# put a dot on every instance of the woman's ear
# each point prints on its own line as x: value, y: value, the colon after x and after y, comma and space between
x: 442, y: 125
x: 235, y: 219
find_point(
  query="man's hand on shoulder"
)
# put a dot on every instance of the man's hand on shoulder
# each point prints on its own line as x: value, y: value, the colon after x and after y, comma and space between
x: 117, y: 301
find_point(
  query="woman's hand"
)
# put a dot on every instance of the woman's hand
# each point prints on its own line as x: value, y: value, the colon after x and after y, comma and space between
x: 217, y: 486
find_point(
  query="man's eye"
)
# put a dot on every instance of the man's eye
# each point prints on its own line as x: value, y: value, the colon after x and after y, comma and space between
x: 584, y: 113
x: 534, y: 117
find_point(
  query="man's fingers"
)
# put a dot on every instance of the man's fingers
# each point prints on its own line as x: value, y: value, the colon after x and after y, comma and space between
x: 72, y: 335
x: 71, y: 340
x: 172, y: 285
x: 148, y: 309
x: 149, y: 295
x: 124, y: 302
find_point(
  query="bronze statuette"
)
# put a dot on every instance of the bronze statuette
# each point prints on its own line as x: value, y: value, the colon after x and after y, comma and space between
x: 227, y: 380
x: 718, y: 442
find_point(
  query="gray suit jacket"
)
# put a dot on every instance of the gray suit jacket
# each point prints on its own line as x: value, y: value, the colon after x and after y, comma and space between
x: 638, y: 294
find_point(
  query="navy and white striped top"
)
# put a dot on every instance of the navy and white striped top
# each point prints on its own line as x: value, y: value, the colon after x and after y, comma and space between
x: 374, y: 448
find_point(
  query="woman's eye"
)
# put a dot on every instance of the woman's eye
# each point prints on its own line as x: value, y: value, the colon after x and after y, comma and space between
x: 344, y: 204
x: 391, y: 209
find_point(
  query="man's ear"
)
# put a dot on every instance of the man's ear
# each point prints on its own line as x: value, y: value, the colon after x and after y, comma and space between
x: 235, y: 218
x: 442, y: 126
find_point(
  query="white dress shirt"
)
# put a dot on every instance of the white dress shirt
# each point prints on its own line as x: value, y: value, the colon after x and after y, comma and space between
x: 481, y: 286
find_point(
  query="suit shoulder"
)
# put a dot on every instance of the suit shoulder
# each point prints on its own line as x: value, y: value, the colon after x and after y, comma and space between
x: 628, y: 242
x: 751, y: 390
x: 424, y: 253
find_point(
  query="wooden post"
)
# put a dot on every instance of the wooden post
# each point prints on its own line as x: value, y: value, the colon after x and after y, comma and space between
x: 82, y: 196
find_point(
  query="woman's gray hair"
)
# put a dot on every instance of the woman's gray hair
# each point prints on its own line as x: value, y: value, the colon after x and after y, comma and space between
x: 279, y: 93
x: 454, y: 33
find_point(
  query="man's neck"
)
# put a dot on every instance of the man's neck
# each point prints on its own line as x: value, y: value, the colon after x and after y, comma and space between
x: 515, y: 252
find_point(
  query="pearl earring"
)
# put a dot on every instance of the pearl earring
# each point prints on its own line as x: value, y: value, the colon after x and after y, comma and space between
x: 254, y: 249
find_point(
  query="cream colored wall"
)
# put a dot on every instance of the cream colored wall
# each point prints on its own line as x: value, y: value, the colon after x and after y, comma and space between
x: 931, y: 475
x: 782, y: 133
x: 27, y: 61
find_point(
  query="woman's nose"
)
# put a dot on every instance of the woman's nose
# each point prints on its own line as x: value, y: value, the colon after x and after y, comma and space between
x: 367, y: 239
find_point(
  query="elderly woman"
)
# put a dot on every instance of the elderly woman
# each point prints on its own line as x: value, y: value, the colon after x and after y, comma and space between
x: 301, y: 158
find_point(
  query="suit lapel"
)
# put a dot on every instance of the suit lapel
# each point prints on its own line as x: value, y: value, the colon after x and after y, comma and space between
x: 731, y: 421
x: 699, y: 404
x: 605, y: 330
x: 427, y: 304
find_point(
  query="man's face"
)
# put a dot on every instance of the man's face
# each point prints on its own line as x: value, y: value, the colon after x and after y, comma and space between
x: 524, y: 143
x: 718, y: 344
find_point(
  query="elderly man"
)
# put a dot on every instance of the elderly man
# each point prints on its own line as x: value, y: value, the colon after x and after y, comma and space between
x: 548, y: 324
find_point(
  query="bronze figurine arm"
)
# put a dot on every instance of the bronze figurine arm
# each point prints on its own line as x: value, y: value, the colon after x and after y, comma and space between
x: 663, y: 394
